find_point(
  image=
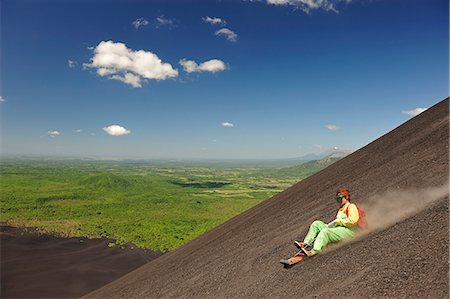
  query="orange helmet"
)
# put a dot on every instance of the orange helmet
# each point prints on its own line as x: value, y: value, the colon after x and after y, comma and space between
x: 344, y: 192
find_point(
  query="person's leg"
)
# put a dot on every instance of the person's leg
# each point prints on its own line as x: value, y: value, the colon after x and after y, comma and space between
x: 330, y: 235
x: 314, y: 230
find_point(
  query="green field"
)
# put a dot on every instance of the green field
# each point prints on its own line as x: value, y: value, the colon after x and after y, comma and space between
x: 157, y: 206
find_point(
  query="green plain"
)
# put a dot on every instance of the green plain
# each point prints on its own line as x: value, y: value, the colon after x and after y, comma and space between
x: 157, y: 206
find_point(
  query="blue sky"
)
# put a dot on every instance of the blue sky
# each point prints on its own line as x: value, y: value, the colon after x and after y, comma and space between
x: 157, y: 79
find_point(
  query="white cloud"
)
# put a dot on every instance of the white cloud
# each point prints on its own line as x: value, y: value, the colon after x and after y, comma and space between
x: 227, y: 124
x: 318, y: 146
x: 2, y: 99
x: 414, y: 112
x: 211, y: 66
x: 140, y: 22
x: 118, y: 62
x: 77, y: 131
x: 331, y: 127
x: 72, y: 63
x: 278, y: 2
x: 230, y: 35
x: 53, y: 133
x: 162, y: 21
x: 128, y: 78
x: 116, y: 130
x: 308, y: 5
x: 214, y: 21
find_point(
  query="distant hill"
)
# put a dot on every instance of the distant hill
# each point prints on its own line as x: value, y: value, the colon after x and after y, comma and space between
x: 306, y: 169
x: 332, y: 152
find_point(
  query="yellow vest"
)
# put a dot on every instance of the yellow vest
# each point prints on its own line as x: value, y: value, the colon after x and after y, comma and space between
x: 350, y: 221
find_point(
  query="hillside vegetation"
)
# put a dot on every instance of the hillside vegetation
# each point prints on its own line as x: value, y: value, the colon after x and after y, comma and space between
x: 105, y: 181
x: 155, y: 207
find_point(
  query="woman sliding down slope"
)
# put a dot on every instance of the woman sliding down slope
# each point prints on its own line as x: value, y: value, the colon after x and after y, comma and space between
x: 348, y: 219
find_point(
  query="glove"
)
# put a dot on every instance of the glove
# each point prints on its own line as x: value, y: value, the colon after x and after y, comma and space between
x: 332, y: 223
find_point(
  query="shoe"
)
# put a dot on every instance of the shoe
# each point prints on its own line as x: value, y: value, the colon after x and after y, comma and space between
x: 309, y: 253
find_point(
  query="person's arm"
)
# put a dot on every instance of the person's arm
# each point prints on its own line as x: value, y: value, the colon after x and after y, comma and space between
x: 352, y: 219
x: 332, y: 223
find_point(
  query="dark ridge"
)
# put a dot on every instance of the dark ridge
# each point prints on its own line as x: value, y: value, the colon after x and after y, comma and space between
x: 37, y: 265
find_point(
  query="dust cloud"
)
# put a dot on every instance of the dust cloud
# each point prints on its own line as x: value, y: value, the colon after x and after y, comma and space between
x: 385, y: 210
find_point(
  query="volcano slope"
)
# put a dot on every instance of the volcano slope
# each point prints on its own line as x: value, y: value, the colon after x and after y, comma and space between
x: 406, y: 256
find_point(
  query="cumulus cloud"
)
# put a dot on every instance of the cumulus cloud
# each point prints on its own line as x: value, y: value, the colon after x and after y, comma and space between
x: 308, y: 5
x: 53, y: 133
x: 331, y: 127
x: 139, y: 22
x: 414, y: 112
x: 117, y: 62
x: 128, y: 78
x: 230, y: 35
x: 227, y: 124
x: 72, y: 63
x: 2, y: 99
x: 214, y: 21
x: 211, y: 66
x: 116, y: 130
x: 162, y: 21
x: 77, y: 131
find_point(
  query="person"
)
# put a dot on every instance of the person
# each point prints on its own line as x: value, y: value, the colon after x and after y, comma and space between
x: 321, y: 234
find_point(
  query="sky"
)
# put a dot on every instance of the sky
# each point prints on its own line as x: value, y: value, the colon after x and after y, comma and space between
x: 215, y: 79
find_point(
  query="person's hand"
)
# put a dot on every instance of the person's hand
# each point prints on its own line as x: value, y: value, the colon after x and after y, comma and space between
x: 332, y: 223
x: 338, y: 222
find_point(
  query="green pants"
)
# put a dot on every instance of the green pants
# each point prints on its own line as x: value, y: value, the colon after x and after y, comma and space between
x: 324, y: 235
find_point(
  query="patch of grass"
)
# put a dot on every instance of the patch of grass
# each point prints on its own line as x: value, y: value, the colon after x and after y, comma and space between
x: 106, y: 181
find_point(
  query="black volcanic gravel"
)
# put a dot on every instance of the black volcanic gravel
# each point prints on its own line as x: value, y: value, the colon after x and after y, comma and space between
x: 37, y: 265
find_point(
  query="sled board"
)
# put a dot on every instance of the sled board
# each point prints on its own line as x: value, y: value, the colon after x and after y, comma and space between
x: 293, y: 260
